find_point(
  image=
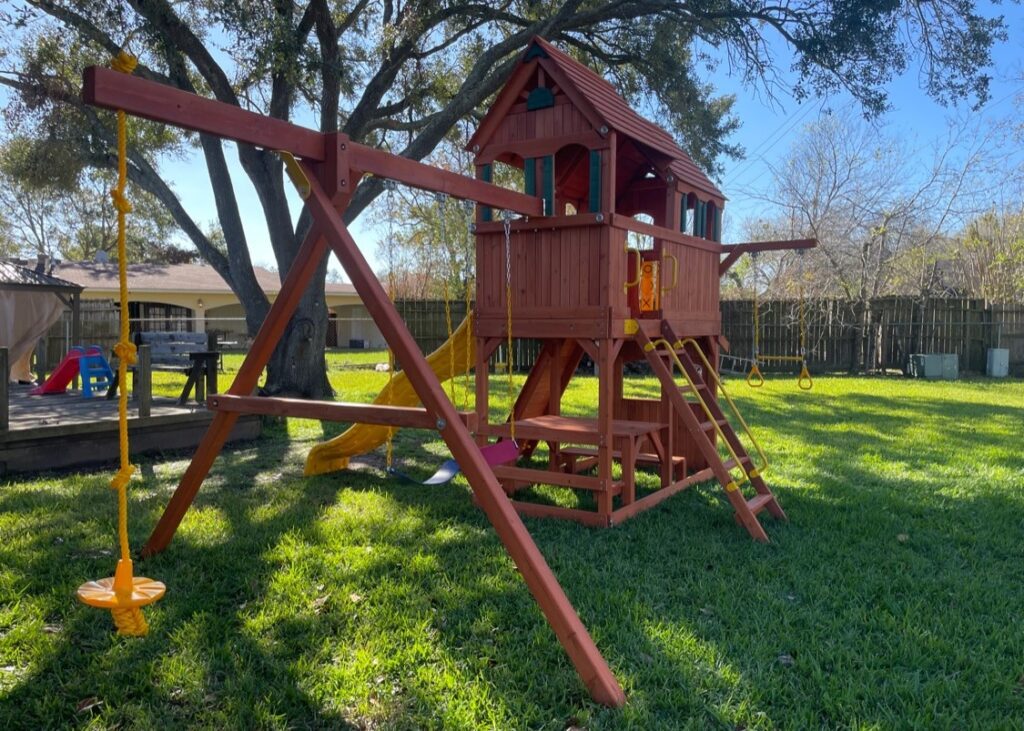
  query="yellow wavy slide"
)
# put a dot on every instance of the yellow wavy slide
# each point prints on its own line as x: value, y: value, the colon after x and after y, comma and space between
x: 459, y: 350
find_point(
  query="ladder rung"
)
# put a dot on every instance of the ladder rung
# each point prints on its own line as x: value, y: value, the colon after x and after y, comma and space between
x: 760, y: 502
x: 729, y: 464
x: 698, y: 387
x: 710, y: 425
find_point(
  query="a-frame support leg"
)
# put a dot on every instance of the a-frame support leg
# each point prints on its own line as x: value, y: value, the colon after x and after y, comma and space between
x: 307, y: 260
x: 555, y: 605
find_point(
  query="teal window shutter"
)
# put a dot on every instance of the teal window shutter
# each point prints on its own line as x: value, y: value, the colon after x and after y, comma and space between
x: 548, y: 183
x: 530, y: 176
x: 696, y: 217
x: 535, y: 52
x: 595, y: 181
x: 540, y: 98
x: 718, y: 223
x: 682, y: 213
x: 485, y: 211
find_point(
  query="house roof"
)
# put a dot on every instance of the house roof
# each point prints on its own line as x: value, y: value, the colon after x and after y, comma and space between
x: 621, y: 117
x: 171, y: 278
x: 15, y: 276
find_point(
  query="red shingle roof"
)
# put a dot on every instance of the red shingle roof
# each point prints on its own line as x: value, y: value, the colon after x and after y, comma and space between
x: 170, y: 278
x: 618, y: 115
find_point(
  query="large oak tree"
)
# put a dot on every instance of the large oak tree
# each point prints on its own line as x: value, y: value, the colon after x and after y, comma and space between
x: 403, y: 74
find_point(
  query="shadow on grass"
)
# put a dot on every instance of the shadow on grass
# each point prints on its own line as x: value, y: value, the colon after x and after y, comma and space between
x: 268, y: 613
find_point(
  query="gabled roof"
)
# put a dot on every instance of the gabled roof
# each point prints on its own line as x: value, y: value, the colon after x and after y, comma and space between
x: 619, y: 116
x: 15, y: 276
x: 171, y: 278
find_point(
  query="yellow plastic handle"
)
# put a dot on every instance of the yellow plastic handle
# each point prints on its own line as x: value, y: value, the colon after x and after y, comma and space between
x: 805, y: 382
x: 675, y: 273
x: 755, y: 379
x: 296, y: 173
x: 639, y: 265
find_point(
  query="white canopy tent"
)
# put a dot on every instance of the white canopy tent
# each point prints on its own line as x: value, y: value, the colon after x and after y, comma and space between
x: 31, y: 300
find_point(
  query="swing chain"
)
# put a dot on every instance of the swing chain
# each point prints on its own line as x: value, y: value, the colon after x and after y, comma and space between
x: 468, y: 207
x: 506, y: 218
x: 757, y: 313
x: 390, y: 186
x: 803, y: 326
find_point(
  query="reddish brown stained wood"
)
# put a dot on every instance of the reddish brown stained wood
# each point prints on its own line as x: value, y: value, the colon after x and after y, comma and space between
x: 546, y: 477
x: 508, y: 97
x: 587, y: 659
x: 649, y: 501
x: 142, y: 98
x: 584, y: 517
x: 109, y: 89
x: 574, y: 430
x: 596, y: 326
x: 734, y: 251
x: 621, y: 221
x: 399, y: 416
x: 427, y: 177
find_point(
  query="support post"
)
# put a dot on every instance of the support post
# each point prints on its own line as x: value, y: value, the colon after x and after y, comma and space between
x: 143, y: 381
x: 5, y: 389
x: 605, y: 413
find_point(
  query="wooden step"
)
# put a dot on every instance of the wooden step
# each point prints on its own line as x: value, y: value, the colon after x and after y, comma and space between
x: 570, y: 430
x: 710, y: 425
x: 644, y: 457
x: 730, y: 463
x: 760, y: 502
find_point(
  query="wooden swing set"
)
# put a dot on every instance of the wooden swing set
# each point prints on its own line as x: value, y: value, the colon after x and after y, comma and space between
x: 326, y: 169
x: 590, y: 166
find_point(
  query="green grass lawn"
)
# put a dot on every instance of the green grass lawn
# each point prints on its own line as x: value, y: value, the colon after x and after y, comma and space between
x: 893, y: 598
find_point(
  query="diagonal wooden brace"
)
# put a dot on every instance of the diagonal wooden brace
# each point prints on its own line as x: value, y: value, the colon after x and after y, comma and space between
x: 578, y: 644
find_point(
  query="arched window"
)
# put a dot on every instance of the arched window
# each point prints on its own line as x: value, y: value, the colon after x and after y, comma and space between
x: 572, y: 179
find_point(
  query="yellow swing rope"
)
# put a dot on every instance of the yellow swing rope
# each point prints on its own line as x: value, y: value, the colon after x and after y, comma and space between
x: 123, y: 594
x: 442, y: 211
x: 466, y: 381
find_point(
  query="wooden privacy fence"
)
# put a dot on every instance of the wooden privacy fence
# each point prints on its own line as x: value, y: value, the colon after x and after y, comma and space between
x: 841, y: 336
x: 426, y: 321
x: 879, y: 335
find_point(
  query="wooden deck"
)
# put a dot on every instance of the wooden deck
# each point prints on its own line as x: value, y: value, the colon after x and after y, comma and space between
x: 65, y: 430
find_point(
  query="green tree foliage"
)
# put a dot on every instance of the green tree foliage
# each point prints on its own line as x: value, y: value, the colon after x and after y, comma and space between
x: 71, y: 216
x: 990, y: 255
x: 401, y: 75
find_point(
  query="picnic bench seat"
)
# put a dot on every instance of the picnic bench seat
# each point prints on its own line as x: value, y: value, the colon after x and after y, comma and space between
x: 194, y: 354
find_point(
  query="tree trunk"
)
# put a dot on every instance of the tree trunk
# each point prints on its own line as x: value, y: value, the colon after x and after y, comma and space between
x: 298, y: 367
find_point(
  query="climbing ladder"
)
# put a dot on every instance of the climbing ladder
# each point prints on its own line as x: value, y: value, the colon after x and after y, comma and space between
x: 735, y: 364
x: 709, y: 427
x: 95, y: 371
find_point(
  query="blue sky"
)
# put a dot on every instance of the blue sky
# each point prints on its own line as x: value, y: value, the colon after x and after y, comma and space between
x: 768, y: 129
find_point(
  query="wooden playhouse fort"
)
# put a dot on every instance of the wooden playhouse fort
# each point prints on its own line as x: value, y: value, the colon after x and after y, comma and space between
x: 578, y: 270
x: 592, y: 277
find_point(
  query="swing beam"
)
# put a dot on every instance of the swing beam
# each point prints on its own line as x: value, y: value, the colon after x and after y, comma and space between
x: 735, y: 251
x: 333, y: 164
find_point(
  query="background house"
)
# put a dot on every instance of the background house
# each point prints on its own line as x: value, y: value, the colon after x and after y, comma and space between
x: 193, y: 297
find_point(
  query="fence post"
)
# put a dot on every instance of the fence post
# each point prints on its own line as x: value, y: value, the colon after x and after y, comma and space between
x: 143, y: 385
x: 5, y: 389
